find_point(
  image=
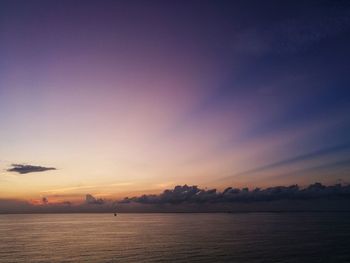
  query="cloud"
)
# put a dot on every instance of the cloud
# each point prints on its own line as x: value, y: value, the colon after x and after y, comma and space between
x: 186, y: 198
x: 89, y: 199
x: 295, y: 159
x: 24, y: 169
x: 14, y: 205
x: 45, y: 201
x: 193, y: 194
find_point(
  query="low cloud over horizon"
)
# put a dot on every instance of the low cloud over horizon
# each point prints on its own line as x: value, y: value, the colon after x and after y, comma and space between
x: 91, y: 200
x: 193, y: 194
x: 315, y: 197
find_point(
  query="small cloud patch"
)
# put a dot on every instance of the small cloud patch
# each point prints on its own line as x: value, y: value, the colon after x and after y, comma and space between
x: 24, y: 169
x: 91, y: 200
x: 45, y: 201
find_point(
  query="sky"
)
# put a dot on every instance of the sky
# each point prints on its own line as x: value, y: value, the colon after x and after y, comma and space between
x: 118, y: 98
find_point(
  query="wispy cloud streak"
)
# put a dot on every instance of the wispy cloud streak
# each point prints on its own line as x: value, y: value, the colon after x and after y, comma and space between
x: 293, y: 160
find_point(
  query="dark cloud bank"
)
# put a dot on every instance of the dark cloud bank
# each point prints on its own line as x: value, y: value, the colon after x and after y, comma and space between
x: 315, y: 197
x: 193, y: 194
x: 24, y: 168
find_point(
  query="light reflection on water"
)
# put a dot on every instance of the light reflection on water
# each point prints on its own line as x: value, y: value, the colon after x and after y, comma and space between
x: 250, y: 237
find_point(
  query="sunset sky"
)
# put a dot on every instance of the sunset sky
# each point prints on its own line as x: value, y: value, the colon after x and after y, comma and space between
x: 127, y: 97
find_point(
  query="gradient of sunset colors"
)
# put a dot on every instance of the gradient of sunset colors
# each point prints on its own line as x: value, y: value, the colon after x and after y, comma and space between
x: 131, y: 97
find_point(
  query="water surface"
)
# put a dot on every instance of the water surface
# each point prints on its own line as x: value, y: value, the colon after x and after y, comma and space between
x: 246, y: 237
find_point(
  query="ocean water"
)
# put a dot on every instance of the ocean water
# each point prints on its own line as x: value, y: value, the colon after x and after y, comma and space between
x: 242, y: 237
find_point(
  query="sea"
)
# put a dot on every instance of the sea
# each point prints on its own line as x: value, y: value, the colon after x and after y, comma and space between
x: 179, y: 237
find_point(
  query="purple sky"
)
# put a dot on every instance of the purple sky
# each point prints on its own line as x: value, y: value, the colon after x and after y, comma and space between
x: 136, y: 96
